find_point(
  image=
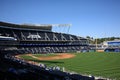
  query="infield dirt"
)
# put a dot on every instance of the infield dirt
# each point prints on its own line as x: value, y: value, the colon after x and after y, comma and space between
x: 57, y: 56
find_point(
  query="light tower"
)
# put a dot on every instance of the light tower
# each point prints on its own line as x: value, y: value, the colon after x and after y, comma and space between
x: 62, y: 25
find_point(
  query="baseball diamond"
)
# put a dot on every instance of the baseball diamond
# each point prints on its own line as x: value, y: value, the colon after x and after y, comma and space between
x: 35, y: 52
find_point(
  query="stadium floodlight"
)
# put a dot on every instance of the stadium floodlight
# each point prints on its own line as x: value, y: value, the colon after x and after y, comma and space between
x: 62, y: 25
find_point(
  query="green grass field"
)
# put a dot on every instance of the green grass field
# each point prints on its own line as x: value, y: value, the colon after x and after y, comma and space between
x: 98, y: 64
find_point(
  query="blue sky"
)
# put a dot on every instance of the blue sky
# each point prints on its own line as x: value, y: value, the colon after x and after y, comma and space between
x: 95, y: 18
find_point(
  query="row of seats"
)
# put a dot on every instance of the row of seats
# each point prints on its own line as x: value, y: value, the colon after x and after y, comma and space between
x: 39, y: 35
x: 51, y: 49
x: 18, y: 69
x: 24, y: 36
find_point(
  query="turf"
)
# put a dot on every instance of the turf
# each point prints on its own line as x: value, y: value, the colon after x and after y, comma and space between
x: 97, y: 64
x: 43, y: 55
x: 26, y: 57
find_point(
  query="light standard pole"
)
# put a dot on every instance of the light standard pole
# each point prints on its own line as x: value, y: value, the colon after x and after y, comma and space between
x: 96, y: 43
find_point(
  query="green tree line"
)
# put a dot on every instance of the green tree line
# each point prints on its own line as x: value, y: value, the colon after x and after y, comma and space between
x: 100, y: 40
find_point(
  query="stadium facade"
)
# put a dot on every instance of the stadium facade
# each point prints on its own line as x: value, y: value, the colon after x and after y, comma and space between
x: 112, y: 46
x: 114, y: 43
x: 40, y: 38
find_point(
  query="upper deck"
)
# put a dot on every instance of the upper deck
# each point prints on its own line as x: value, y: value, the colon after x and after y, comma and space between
x: 26, y: 26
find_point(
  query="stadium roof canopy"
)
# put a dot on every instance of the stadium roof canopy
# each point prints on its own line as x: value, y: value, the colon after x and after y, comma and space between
x: 26, y: 26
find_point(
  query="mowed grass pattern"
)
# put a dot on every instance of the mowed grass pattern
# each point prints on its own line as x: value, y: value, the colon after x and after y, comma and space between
x: 98, y: 64
x: 44, y: 55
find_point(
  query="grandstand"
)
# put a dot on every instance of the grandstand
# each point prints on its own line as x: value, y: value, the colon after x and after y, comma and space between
x: 20, y: 39
x: 41, y: 39
x: 112, y: 46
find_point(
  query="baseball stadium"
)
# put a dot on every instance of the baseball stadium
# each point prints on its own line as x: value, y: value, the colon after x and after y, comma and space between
x: 35, y: 52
